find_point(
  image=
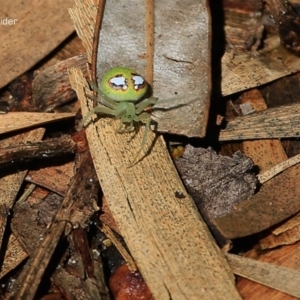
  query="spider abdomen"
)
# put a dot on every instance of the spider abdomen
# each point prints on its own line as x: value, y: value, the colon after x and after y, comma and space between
x: 123, y: 84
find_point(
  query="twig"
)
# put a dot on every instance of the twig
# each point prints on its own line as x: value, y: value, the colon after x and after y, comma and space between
x: 55, y: 147
x: 96, y: 39
x: 149, y: 40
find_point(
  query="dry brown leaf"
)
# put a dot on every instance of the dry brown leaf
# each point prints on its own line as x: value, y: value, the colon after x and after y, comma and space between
x: 276, y: 200
x: 40, y: 26
x: 181, y: 65
x: 86, y: 12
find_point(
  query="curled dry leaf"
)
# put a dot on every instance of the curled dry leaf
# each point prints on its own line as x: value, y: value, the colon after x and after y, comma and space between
x: 275, y: 201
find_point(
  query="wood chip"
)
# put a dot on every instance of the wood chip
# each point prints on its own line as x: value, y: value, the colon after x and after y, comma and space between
x: 285, y: 234
x: 14, y: 255
x: 278, y: 122
x: 41, y: 150
x: 54, y: 178
x: 247, y: 71
x: 19, y: 120
x: 217, y: 183
x: 51, y: 88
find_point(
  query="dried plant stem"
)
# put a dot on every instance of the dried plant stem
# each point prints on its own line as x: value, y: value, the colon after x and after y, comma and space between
x: 267, y: 175
x: 150, y: 40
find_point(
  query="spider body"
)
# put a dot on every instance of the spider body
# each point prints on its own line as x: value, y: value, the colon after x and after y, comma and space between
x: 122, y: 95
x: 126, y: 112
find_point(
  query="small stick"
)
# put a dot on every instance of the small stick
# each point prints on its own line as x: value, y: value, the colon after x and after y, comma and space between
x: 36, y: 150
x: 96, y: 39
x: 267, y: 175
x: 149, y: 40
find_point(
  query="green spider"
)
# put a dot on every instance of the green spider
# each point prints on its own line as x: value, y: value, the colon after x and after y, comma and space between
x: 122, y: 95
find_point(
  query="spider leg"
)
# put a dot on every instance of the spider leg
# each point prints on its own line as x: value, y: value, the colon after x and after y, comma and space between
x: 143, y: 117
x: 101, y: 97
x: 128, y: 128
x: 144, y: 104
x: 152, y: 101
x: 96, y: 110
x: 119, y: 114
x: 110, y: 104
x: 120, y: 128
x: 174, y: 106
x: 167, y: 100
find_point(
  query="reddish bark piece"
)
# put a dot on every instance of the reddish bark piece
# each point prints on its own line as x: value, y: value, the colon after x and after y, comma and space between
x: 21, y: 92
x: 51, y: 88
x: 54, y: 178
x: 127, y: 285
x: 243, y: 24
